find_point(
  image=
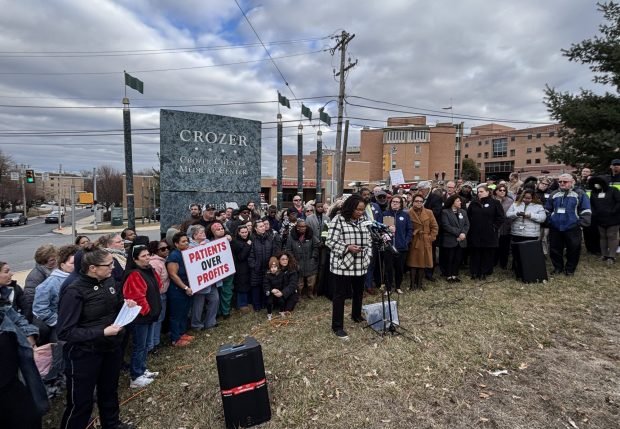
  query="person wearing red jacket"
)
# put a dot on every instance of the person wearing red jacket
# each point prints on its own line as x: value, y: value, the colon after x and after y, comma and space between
x: 142, y: 284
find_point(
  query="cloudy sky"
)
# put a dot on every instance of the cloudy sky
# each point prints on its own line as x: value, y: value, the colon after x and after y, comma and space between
x: 62, y: 62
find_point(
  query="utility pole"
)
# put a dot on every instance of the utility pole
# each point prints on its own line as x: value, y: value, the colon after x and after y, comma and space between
x: 319, y: 166
x: 343, y: 41
x: 95, y: 196
x: 343, y: 158
x: 25, y: 206
x: 279, y: 163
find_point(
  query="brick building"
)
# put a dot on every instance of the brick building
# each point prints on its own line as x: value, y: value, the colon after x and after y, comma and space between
x: 499, y: 150
x: 411, y: 145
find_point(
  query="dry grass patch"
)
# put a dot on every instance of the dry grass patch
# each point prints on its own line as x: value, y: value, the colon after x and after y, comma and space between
x: 557, y: 341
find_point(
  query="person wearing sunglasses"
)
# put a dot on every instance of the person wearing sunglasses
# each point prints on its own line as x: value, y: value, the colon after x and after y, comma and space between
x: 569, y: 210
x: 159, y: 251
x: 93, y: 353
x: 298, y: 206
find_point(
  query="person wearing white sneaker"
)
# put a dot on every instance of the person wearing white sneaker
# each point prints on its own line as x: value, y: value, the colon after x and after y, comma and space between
x: 140, y: 382
x: 150, y: 374
x: 142, y: 284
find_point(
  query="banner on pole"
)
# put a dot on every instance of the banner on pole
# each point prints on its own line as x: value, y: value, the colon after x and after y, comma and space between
x: 209, y: 263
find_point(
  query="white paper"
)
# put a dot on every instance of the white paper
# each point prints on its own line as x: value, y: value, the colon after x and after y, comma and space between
x: 396, y: 177
x: 127, y: 315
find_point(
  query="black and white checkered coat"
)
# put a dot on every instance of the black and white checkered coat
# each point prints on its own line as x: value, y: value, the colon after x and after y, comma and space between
x: 342, y: 234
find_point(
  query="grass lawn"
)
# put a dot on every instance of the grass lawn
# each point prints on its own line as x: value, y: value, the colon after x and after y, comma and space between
x: 556, y: 344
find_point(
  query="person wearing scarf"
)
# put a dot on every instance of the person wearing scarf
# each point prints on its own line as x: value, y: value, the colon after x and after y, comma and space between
x: 142, y: 284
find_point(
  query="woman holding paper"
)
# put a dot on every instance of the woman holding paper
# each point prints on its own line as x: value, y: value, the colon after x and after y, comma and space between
x: 142, y: 284
x: 93, y: 354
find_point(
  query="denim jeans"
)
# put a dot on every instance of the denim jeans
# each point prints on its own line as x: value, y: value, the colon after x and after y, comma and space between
x: 243, y: 299
x: 140, y: 335
x: 155, y: 337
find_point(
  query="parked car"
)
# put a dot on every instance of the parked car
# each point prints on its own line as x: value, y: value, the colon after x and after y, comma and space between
x: 53, y: 217
x: 14, y: 219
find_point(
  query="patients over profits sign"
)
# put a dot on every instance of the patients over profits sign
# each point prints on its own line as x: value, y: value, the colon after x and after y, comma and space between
x: 208, y: 263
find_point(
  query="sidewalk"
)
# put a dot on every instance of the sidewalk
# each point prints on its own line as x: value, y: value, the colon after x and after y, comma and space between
x: 85, y: 226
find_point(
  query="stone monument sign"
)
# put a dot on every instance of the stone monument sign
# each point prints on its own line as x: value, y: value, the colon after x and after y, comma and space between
x: 206, y: 159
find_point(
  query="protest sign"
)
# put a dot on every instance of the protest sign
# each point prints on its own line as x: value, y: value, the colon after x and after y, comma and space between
x: 208, y: 263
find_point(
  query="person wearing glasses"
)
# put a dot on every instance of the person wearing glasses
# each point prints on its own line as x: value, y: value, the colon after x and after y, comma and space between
x: 93, y: 354
x: 486, y: 217
x: 159, y: 251
x: 298, y: 206
x: 569, y: 210
x: 351, y: 251
x: 503, y: 251
x: 425, y: 230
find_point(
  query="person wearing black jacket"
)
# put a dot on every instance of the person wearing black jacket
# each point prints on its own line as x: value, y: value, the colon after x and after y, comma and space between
x: 605, y: 204
x: 241, y: 246
x: 87, y: 310
x: 263, y: 247
x: 142, y: 284
x: 486, y: 216
x: 280, y: 284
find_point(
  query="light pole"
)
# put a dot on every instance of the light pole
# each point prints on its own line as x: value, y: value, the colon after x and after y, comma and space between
x: 279, y: 162
x: 319, y: 165
x: 300, y: 160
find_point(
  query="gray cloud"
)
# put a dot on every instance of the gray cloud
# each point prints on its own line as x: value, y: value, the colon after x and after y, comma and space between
x: 486, y: 61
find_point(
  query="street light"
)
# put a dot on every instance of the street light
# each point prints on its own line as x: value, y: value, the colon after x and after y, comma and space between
x: 319, y: 165
x: 300, y: 160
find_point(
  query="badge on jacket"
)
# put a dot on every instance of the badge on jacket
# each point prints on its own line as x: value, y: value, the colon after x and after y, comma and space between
x: 486, y: 205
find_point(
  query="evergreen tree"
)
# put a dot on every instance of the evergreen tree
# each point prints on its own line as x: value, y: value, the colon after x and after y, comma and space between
x: 591, y: 123
x: 469, y: 170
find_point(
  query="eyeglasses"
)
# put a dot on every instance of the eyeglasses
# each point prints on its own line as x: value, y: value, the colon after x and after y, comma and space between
x: 296, y: 199
x: 161, y: 249
x: 309, y: 211
x: 564, y: 181
x: 110, y: 265
x: 501, y: 190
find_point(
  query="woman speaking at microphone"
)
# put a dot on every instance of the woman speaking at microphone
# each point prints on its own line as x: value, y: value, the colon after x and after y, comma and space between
x: 350, y: 244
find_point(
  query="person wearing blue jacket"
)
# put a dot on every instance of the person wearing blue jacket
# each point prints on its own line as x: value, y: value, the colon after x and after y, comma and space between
x: 402, y: 229
x: 47, y: 295
x: 568, y: 210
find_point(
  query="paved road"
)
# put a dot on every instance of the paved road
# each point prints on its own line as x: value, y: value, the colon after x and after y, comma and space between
x: 18, y: 243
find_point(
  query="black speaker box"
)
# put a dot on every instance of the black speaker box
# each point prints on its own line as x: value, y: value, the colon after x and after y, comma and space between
x: 529, y: 261
x: 243, y: 384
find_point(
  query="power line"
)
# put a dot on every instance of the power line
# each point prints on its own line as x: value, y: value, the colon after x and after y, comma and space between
x: 113, y: 53
x: 156, y: 70
x: 266, y: 50
x: 439, y: 114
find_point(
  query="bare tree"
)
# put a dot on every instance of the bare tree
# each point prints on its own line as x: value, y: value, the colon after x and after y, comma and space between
x: 88, y: 180
x: 109, y: 186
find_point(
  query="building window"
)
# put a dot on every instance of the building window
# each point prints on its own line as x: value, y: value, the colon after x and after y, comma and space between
x: 466, y: 145
x: 479, y: 155
x: 486, y: 142
x: 416, y: 164
x: 528, y: 161
x: 538, y: 149
x: 498, y: 167
x: 551, y: 133
x: 513, y: 138
x: 500, y: 148
x: 466, y: 156
x: 486, y: 155
x: 512, y: 152
x: 479, y: 142
x: 528, y: 150
x: 538, y: 135
x: 418, y: 149
x: 537, y: 161
x: 478, y: 165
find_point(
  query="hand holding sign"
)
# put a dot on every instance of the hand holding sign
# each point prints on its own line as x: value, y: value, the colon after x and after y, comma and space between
x: 209, y: 263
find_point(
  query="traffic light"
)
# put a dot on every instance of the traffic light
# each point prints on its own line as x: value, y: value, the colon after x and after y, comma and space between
x: 29, y: 176
x: 386, y: 162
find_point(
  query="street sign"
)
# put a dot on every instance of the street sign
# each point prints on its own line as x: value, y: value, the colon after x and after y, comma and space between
x: 14, y: 175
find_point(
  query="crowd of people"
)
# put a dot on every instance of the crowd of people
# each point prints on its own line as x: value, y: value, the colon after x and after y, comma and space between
x: 73, y: 295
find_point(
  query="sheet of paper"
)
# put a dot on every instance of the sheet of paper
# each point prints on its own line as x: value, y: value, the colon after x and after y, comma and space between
x: 127, y: 315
